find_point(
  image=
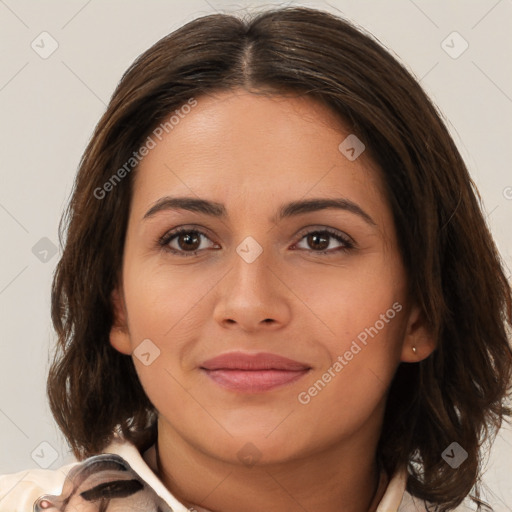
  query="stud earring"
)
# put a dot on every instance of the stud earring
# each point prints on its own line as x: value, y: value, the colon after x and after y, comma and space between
x: 414, y: 349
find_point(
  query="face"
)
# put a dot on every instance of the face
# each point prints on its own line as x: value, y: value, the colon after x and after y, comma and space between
x: 255, y: 273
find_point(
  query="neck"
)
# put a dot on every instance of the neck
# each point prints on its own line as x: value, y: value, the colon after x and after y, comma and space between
x: 344, y: 477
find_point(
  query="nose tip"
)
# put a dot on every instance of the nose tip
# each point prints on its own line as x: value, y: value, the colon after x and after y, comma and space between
x: 252, y: 297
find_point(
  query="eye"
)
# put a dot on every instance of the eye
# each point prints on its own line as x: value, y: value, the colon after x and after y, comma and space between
x: 320, y: 240
x: 187, y: 241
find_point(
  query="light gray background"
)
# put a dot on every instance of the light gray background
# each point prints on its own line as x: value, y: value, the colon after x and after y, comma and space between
x: 50, y: 106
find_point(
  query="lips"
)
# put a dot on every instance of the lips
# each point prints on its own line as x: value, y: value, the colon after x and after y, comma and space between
x: 251, y: 373
x: 261, y: 361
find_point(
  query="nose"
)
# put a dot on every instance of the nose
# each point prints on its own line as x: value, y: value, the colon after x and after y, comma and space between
x: 253, y: 295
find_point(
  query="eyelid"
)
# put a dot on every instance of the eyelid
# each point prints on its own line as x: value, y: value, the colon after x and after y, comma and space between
x: 165, y: 239
x: 340, y: 236
x: 315, y: 228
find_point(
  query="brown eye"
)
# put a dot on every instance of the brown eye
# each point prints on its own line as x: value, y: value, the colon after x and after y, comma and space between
x: 189, y: 240
x: 183, y: 241
x: 319, y: 240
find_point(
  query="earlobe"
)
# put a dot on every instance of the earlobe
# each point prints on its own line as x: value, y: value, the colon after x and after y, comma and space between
x: 419, y: 341
x: 119, y: 334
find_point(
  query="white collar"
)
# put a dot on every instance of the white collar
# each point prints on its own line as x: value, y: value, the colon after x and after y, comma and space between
x: 145, y: 465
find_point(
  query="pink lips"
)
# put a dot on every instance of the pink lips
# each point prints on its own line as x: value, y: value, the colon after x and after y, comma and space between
x: 253, y: 373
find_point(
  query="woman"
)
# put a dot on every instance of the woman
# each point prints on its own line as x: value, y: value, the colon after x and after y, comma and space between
x: 334, y: 337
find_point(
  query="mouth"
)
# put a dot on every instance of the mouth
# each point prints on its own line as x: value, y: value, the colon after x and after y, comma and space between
x: 255, y: 373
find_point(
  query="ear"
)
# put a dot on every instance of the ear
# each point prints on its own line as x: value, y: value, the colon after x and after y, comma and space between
x: 418, y: 335
x: 119, y: 334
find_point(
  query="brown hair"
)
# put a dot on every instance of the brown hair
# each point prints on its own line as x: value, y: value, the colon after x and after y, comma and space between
x: 454, y: 269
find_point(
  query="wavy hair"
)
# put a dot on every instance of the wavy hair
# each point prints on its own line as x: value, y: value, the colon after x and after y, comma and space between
x: 455, y: 273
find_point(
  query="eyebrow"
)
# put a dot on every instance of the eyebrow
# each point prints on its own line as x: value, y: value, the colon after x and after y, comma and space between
x: 287, y: 210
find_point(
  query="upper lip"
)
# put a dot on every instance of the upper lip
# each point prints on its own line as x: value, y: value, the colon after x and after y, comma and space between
x: 260, y: 361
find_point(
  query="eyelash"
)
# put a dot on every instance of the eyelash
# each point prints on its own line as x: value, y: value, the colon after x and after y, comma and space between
x: 163, y: 242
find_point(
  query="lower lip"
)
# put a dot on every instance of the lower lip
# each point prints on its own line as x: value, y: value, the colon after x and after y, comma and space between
x: 254, y: 381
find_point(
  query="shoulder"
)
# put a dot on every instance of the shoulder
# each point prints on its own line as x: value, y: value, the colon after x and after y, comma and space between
x: 398, y: 499
x: 411, y: 503
x: 19, y: 491
x: 120, y: 474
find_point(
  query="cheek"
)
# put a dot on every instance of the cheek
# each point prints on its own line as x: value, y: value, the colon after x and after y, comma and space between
x: 167, y: 311
x: 349, y: 389
x: 363, y: 320
x: 160, y: 299
x: 345, y: 301
x: 369, y: 327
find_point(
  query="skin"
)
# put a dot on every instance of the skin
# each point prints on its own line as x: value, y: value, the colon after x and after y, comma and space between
x: 253, y: 153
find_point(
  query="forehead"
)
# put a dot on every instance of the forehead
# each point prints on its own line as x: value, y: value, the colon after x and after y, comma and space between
x: 238, y: 144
